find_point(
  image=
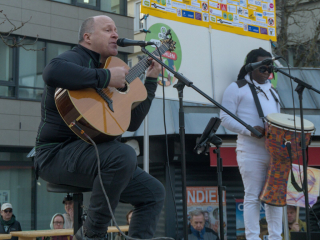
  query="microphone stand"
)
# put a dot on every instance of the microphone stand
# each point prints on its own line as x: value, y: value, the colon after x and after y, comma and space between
x: 217, y: 142
x: 299, y: 89
x: 207, y: 139
x: 182, y: 82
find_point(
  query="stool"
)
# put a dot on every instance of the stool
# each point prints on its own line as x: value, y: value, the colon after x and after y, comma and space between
x: 77, y: 200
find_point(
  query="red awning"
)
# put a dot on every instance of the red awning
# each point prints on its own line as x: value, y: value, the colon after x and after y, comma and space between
x: 229, y: 158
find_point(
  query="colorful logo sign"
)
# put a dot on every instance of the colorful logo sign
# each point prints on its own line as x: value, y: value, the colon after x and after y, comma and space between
x: 204, y: 6
x: 223, y: 7
x: 263, y: 30
x: 271, y: 22
x: 187, y: 14
x: 172, y: 59
x: 198, y: 16
x: 253, y: 29
x: 213, y: 19
x: 219, y: 15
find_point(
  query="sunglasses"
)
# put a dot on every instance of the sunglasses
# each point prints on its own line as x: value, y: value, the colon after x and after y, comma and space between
x: 263, y: 69
x: 6, y: 211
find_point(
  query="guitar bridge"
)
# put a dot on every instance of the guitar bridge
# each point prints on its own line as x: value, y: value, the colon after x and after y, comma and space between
x: 105, y: 98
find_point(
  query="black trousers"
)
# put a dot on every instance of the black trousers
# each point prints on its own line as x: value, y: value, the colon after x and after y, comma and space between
x: 75, y: 164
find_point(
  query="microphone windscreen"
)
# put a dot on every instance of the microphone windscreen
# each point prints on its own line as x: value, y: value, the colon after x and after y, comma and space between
x: 120, y: 42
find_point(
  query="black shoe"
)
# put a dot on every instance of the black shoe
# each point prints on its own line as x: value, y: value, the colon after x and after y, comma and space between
x: 84, y: 234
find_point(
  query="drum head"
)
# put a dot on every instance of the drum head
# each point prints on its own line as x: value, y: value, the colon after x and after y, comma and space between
x: 287, y: 121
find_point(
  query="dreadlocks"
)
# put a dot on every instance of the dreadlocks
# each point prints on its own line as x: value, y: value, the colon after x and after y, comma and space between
x: 251, y: 58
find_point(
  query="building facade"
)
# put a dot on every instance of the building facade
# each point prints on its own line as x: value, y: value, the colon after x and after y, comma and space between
x: 56, y: 23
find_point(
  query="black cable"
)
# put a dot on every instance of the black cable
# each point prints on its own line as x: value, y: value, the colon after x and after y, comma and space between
x: 294, y: 119
x: 166, y: 136
x: 167, y: 145
x: 104, y: 191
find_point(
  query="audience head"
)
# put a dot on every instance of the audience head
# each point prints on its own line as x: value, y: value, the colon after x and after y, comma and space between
x: 57, y: 221
x: 68, y: 204
x: 206, y: 216
x: 197, y: 219
x: 291, y: 212
x: 6, y: 211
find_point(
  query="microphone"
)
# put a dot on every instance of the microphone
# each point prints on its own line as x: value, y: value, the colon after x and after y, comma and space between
x: 252, y: 66
x: 125, y: 42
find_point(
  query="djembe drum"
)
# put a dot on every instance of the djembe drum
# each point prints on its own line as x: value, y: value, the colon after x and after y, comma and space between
x: 280, y: 128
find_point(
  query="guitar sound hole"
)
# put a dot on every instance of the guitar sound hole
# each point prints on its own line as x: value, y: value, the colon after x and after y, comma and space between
x: 124, y: 89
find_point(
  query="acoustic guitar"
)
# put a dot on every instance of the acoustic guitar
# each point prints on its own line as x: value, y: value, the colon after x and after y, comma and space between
x: 105, y: 113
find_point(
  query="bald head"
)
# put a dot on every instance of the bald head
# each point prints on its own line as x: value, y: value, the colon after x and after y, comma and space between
x: 88, y: 25
x: 99, y: 34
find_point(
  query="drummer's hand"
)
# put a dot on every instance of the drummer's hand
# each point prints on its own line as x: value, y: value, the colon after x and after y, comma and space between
x: 295, y: 227
x: 260, y: 130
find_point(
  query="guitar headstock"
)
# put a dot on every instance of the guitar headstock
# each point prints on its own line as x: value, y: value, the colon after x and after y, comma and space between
x: 168, y: 42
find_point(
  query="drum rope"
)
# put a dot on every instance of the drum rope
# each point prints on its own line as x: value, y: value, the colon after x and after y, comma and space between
x: 293, y: 180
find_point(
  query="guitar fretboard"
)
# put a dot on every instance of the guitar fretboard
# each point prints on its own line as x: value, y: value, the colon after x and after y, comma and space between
x: 143, y: 64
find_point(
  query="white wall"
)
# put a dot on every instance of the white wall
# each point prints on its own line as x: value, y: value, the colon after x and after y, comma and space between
x: 228, y: 53
x: 196, y: 61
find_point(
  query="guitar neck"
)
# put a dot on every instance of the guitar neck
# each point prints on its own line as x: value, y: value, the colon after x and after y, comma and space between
x: 143, y: 64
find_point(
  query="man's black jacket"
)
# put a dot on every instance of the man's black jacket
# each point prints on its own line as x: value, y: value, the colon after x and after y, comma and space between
x: 315, y: 217
x: 77, y: 69
x: 15, y: 226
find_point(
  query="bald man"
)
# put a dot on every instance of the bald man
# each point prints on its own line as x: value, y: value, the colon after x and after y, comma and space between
x: 62, y: 158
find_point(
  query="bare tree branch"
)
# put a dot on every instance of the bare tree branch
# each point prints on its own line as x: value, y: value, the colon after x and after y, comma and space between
x: 296, y: 34
x: 12, y: 42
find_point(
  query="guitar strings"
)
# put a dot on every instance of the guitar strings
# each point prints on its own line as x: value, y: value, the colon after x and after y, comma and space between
x: 142, y: 65
x: 139, y: 68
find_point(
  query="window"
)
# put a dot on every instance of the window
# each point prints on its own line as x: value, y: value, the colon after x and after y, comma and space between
x: 130, y: 63
x: 123, y: 56
x: 17, y: 181
x: 31, y: 65
x: 55, y: 49
x: 48, y: 204
x: 32, y: 204
x: 13, y: 156
x: 6, y: 74
x: 16, y: 184
x: 88, y: 2
x: 64, y: 1
x: 137, y: 16
x: 113, y: 6
x: 21, y: 70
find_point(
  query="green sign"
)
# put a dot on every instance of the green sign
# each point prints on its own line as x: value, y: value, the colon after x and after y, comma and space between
x: 172, y: 59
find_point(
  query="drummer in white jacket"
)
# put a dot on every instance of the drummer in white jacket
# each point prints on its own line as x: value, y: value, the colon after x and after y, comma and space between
x: 252, y: 156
